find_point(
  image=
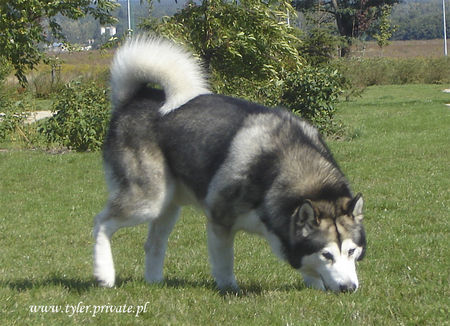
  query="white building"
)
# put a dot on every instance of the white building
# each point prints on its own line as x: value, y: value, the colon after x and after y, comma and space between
x: 109, y: 30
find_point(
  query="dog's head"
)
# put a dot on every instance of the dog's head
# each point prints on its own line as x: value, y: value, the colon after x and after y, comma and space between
x: 326, y: 240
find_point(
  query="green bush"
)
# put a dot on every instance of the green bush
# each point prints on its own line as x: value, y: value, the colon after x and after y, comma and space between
x: 437, y: 71
x: 13, y: 110
x: 5, y: 70
x: 14, y: 128
x: 81, y: 119
x: 12, y: 116
x: 311, y: 94
x: 318, y: 46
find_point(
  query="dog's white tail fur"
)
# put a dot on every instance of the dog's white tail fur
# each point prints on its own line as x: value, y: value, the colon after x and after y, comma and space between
x: 145, y: 60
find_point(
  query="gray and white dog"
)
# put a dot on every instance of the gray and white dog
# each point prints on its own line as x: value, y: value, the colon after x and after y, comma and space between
x: 248, y: 167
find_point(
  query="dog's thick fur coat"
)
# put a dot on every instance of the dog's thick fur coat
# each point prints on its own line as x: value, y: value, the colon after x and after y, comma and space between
x: 247, y: 166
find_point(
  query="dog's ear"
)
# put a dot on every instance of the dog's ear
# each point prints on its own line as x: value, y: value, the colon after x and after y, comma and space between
x: 303, y: 222
x: 355, y: 208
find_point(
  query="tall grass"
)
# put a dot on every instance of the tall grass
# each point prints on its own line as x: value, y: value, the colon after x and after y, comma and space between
x: 365, y: 72
x: 400, y: 49
x: 46, y: 81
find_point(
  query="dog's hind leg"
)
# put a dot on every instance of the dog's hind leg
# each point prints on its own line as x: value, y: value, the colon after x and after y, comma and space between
x: 140, y: 191
x: 124, y: 212
x: 221, y: 255
x: 104, y: 228
x: 143, y: 197
x: 156, y: 245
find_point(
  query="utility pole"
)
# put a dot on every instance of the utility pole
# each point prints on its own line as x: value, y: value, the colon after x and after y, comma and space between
x: 129, y: 18
x: 445, y: 28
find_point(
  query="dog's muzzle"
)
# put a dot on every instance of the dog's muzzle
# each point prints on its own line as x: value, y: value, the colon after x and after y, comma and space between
x: 348, y: 287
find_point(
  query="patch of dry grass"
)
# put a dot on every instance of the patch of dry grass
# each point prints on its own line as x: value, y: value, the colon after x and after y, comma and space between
x: 401, y: 49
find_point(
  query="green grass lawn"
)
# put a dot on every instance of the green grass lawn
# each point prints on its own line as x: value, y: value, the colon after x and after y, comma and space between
x: 397, y: 154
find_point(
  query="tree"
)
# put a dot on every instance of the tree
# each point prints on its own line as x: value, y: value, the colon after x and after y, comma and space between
x: 251, y: 52
x: 353, y: 17
x: 25, y: 24
x: 384, y: 28
x: 239, y: 42
x: 252, y: 30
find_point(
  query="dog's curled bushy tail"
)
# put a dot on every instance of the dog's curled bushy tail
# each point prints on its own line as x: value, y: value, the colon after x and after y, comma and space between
x: 144, y: 60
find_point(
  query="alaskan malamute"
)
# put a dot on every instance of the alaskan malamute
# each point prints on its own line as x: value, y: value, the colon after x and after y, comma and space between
x: 247, y: 166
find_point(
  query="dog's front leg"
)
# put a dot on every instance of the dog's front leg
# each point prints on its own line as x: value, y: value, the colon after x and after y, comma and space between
x: 221, y: 256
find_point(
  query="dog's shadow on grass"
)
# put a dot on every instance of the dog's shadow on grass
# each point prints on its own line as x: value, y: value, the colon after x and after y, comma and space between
x: 246, y: 289
x: 72, y: 285
x: 81, y: 286
x: 259, y: 289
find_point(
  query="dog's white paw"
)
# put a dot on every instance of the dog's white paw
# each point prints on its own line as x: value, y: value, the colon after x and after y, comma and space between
x: 105, y: 279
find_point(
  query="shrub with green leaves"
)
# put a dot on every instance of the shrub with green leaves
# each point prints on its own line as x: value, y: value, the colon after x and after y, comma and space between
x: 312, y: 93
x: 5, y: 70
x: 12, y: 116
x: 81, y: 119
x: 318, y: 46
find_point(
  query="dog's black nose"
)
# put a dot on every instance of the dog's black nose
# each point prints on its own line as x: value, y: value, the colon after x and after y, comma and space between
x: 347, y: 287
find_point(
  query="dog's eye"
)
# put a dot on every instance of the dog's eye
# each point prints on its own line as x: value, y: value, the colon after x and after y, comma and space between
x: 351, y: 252
x: 327, y: 255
